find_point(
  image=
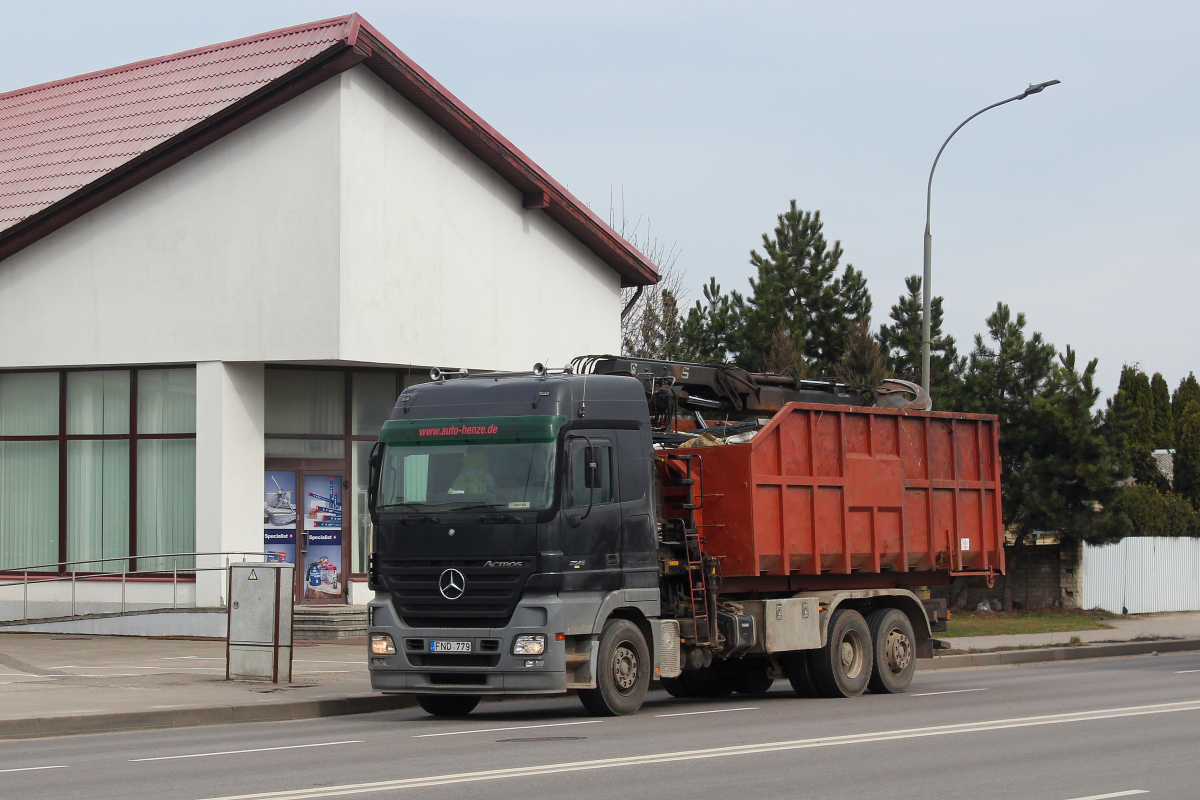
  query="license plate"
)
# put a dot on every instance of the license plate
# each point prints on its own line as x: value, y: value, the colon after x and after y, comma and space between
x: 449, y: 647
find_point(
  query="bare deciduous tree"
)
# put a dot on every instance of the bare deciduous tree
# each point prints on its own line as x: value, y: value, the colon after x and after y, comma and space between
x: 652, y: 326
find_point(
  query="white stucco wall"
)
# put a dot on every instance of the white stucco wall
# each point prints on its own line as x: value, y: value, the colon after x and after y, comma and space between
x: 441, y: 264
x: 342, y: 226
x: 229, y: 255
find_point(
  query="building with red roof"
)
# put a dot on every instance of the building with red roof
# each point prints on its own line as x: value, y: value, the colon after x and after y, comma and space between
x: 222, y: 266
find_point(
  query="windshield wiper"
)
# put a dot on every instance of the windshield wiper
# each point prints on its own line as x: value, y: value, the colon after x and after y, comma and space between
x: 502, y: 511
x: 421, y: 514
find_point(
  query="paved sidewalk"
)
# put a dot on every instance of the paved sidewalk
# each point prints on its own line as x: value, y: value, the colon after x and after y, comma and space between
x: 1182, y: 625
x: 48, y: 677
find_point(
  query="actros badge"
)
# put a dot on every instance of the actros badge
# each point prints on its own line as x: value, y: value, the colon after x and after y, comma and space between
x: 452, y: 584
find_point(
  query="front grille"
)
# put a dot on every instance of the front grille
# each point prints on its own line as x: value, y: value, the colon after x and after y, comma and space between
x: 488, y: 600
x: 452, y: 660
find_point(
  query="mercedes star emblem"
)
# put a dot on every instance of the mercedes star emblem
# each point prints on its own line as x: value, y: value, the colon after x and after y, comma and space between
x: 452, y: 584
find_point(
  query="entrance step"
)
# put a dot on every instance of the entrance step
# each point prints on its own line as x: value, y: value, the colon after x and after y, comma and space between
x: 329, y: 622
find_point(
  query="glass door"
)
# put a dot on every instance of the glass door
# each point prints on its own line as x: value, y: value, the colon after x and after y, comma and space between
x: 320, y: 557
x: 303, y: 525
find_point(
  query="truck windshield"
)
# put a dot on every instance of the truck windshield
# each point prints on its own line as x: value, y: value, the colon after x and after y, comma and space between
x: 445, y: 477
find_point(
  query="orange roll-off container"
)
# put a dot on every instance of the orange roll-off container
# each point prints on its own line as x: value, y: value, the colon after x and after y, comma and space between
x: 851, y: 497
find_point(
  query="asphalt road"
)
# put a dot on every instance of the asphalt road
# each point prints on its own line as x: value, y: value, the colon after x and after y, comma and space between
x: 1059, y: 731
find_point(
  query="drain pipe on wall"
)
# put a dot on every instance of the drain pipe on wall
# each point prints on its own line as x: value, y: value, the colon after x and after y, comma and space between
x: 632, y: 302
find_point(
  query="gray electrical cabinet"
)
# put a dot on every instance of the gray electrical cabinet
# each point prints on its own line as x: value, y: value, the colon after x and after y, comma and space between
x: 259, y: 646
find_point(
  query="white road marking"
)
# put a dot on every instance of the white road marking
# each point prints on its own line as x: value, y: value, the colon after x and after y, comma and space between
x: 255, y: 750
x: 316, y: 661
x: 513, y: 728
x: 1128, y: 793
x: 1185, y: 671
x: 951, y: 691
x: 315, y: 671
x: 30, y: 769
x: 714, y: 711
x: 713, y: 752
x: 193, y: 658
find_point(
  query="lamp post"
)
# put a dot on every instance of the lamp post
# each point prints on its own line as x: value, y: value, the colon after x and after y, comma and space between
x: 1034, y: 88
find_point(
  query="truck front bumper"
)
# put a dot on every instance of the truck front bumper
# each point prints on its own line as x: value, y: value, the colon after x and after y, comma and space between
x: 488, y: 669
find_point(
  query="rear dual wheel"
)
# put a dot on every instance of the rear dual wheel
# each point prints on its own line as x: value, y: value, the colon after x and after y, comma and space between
x: 842, y: 668
x: 895, y: 651
x: 876, y: 653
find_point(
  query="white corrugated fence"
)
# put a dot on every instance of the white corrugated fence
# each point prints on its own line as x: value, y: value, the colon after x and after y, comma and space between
x: 1142, y: 575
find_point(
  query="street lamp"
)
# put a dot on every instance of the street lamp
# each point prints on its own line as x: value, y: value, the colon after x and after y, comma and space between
x: 1034, y: 88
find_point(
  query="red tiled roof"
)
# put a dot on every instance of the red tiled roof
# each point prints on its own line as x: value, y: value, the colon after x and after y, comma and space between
x: 59, y: 137
x: 68, y: 146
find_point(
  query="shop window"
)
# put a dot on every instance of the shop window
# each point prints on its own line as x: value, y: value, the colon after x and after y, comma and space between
x: 97, y: 402
x: 362, y: 531
x: 97, y: 502
x: 166, y: 501
x: 29, y: 404
x: 306, y: 401
x: 374, y: 396
x: 305, y: 448
x: 28, y: 502
x: 166, y: 401
x: 100, y: 470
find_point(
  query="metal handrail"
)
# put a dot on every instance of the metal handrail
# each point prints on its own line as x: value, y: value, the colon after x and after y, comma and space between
x: 124, y: 573
x: 130, y: 558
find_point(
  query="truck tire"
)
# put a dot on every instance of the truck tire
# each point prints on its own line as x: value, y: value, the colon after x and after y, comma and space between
x: 622, y: 671
x: 795, y: 666
x: 842, y: 667
x: 895, y: 647
x: 448, y: 705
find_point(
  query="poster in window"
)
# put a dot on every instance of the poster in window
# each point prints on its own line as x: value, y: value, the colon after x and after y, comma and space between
x: 279, y: 515
x: 322, y: 565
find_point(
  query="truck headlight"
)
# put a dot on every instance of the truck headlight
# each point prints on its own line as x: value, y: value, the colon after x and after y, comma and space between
x: 382, y: 645
x: 529, y: 644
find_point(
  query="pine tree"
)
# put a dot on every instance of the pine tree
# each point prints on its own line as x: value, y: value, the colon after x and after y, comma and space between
x: 1163, y: 427
x: 1132, y: 416
x: 1059, y: 472
x: 799, y: 294
x: 1187, y: 456
x: 1186, y: 393
x: 862, y: 366
x: 901, y: 344
x: 712, y: 327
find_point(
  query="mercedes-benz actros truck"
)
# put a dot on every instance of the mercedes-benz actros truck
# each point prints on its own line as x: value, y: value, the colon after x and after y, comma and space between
x: 621, y: 522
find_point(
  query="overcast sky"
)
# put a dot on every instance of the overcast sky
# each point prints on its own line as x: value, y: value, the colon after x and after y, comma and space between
x: 1077, y: 206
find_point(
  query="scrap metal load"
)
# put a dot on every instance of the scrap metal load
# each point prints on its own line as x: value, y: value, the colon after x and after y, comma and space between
x: 825, y: 493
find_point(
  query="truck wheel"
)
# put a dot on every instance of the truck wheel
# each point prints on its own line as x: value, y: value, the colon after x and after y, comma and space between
x: 843, y: 666
x: 795, y: 666
x: 622, y: 671
x: 448, y: 705
x: 894, y: 644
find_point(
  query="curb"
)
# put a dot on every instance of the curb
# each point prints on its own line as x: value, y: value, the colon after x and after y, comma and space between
x: 1066, y: 653
x: 37, y: 727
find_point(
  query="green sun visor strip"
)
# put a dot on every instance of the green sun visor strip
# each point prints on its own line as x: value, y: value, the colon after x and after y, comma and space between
x: 472, y: 430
